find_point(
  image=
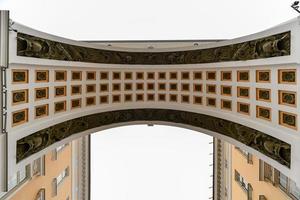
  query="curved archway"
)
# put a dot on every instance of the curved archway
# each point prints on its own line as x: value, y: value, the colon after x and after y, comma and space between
x: 262, y: 142
x: 245, y: 90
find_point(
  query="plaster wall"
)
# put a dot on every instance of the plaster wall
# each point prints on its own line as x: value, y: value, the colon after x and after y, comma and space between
x: 251, y: 174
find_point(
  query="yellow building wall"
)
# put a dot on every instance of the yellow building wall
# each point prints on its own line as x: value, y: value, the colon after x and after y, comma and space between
x: 250, y: 172
x: 52, y: 169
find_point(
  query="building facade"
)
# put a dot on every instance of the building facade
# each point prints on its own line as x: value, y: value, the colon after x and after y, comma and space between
x: 61, y: 174
x: 255, y: 179
x: 240, y: 175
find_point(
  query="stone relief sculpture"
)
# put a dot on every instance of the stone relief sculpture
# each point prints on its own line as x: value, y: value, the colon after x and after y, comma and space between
x: 268, y: 145
x: 272, y: 46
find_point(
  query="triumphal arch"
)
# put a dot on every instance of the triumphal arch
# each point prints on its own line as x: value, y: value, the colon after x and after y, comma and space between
x: 244, y: 91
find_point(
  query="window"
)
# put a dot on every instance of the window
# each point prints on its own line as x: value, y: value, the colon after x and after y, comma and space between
x: 262, y: 197
x: 289, y: 186
x: 283, y: 180
x: 246, y: 154
x: 268, y: 172
x: 243, y: 183
x: 59, y: 180
x: 41, y: 194
x: 19, y: 177
x: 58, y: 150
x: 62, y: 176
x: 240, y: 180
x: 38, y: 166
x: 294, y: 190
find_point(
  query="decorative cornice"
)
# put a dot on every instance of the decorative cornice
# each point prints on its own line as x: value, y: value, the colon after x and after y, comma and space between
x: 266, y: 47
x: 267, y: 145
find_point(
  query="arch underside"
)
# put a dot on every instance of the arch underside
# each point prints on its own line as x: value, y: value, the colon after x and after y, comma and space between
x: 265, y: 144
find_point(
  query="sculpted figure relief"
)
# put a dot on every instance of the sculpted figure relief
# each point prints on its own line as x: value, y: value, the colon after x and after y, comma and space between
x: 272, y: 46
x: 268, y: 145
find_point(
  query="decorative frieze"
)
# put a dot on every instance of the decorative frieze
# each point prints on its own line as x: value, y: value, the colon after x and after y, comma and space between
x: 268, y: 145
x: 266, y: 47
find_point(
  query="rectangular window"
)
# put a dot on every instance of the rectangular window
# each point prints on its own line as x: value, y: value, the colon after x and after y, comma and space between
x: 38, y: 166
x: 246, y: 154
x: 262, y: 197
x: 62, y: 176
x: 41, y: 195
x: 294, y: 190
x: 283, y: 180
x: 59, y: 180
x: 268, y: 172
x: 240, y: 180
x: 57, y: 150
x: 19, y: 177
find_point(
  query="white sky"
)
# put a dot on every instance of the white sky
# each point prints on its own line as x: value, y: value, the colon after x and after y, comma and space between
x: 156, y: 163
x: 152, y: 19
x: 151, y: 163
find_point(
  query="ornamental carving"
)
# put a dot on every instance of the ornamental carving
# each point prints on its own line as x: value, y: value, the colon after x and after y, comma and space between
x: 268, y: 145
x: 271, y: 46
